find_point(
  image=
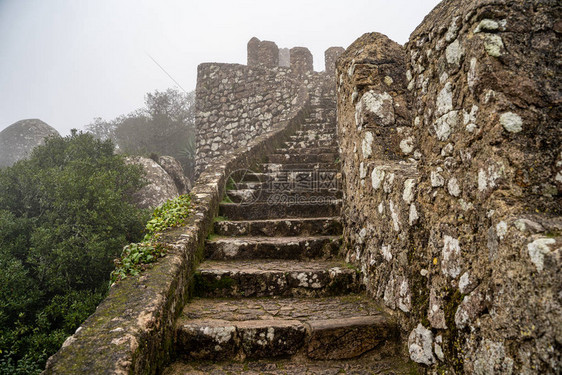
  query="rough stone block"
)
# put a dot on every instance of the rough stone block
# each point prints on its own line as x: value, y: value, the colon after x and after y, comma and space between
x: 348, y: 337
x: 271, y: 338
x: 301, y: 61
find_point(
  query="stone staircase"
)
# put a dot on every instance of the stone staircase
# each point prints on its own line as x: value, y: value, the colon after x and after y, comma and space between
x: 273, y: 295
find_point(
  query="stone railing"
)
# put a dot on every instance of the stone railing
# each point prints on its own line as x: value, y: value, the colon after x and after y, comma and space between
x: 131, y: 331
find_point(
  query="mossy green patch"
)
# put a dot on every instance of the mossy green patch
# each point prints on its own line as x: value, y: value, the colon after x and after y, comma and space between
x: 136, y: 256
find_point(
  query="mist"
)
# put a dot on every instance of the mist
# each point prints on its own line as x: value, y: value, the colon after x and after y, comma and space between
x: 66, y: 62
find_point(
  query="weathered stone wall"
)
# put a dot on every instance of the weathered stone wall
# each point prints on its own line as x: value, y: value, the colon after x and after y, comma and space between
x: 376, y: 148
x: 236, y: 103
x: 301, y: 61
x: 263, y: 53
x: 454, y: 210
x: 330, y: 58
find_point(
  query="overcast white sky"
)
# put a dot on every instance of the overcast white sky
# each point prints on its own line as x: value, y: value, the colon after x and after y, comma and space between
x: 68, y: 61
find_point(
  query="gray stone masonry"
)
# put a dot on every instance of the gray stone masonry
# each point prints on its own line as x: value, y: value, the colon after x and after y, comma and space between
x: 273, y: 284
x: 451, y: 152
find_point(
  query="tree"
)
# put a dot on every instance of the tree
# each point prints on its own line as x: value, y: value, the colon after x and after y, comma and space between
x: 101, y: 129
x: 65, y: 215
x: 166, y: 126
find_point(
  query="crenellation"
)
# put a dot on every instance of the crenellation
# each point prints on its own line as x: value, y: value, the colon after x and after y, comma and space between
x: 301, y: 61
x: 284, y: 58
x: 331, y: 56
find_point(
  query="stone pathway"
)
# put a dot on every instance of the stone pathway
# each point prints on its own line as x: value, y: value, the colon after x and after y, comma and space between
x: 274, y: 296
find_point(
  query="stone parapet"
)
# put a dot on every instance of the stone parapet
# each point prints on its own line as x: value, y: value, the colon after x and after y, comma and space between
x: 301, y: 61
x: 330, y: 58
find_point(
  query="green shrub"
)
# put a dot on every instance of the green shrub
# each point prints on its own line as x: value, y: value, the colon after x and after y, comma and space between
x: 65, y: 215
x: 136, y: 256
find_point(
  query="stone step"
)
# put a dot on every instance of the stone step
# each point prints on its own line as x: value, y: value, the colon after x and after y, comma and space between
x: 268, y: 193
x: 331, y: 328
x: 315, y: 120
x: 264, y: 210
x: 298, y: 247
x: 286, y: 175
x: 318, y: 127
x: 287, y: 278
x: 320, y: 137
x: 293, y: 158
x: 308, y: 150
x: 277, y: 167
x: 328, y: 226
x: 308, y: 133
x: 368, y: 364
x: 304, y: 144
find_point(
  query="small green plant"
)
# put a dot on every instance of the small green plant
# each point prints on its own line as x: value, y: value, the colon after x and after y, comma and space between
x: 136, y: 256
x: 134, y: 259
x: 171, y: 214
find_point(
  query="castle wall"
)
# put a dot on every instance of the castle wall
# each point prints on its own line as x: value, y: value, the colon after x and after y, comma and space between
x: 453, y: 207
x: 301, y: 61
x: 263, y: 53
x: 235, y: 103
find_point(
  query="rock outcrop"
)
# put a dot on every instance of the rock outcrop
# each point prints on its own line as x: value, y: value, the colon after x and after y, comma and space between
x: 160, y: 187
x: 175, y: 170
x: 451, y: 150
x: 18, y: 140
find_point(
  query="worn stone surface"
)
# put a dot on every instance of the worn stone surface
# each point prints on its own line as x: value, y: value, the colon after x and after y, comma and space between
x: 279, y: 227
x: 275, y: 278
x: 18, y: 140
x: 264, y: 210
x: 302, y: 309
x: 175, y: 170
x: 222, y: 248
x: 160, y: 185
x: 325, y: 328
x: 271, y: 338
x: 367, y: 365
x: 458, y: 244
x: 347, y: 338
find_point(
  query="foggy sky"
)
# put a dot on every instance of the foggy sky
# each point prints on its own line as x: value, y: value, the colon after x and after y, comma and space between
x: 68, y: 61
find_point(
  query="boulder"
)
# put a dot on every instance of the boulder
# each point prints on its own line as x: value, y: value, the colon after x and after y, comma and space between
x: 175, y: 170
x: 19, y: 139
x: 161, y: 185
